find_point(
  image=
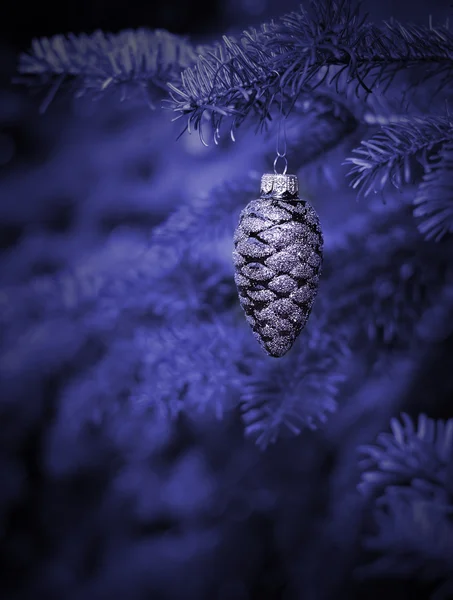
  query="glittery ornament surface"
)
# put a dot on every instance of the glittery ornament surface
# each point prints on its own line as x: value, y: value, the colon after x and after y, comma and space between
x: 278, y: 258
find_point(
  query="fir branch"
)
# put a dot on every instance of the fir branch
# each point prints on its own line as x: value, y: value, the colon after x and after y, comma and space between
x: 413, y: 540
x: 401, y: 46
x: 193, y: 366
x: 208, y: 218
x: 386, y: 157
x: 101, y: 61
x: 417, y: 456
x: 246, y: 75
x: 410, y: 472
x: 232, y: 79
x: 146, y: 377
x: 344, y: 47
x: 309, y: 43
x: 196, y: 286
x: 391, y: 286
x: 126, y: 275
x: 299, y: 391
x: 434, y: 198
x: 328, y: 45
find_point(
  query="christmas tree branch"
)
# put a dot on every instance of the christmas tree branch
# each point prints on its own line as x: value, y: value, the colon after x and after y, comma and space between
x: 393, y: 155
x: 327, y: 44
x: 323, y: 46
x: 419, y: 456
x: 434, y: 198
x: 244, y: 76
x: 297, y: 392
x: 185, y: 280
x: 391, y: 286
x: 101, y: 61
x: 409, y: 474
x: 385, y: 157
x: 231, y: 80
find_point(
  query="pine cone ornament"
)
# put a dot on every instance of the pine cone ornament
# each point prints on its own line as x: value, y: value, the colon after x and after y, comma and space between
x: 278, y: 257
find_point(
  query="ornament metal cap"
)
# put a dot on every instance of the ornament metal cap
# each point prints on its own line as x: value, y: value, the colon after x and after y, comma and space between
x: 285, y: 187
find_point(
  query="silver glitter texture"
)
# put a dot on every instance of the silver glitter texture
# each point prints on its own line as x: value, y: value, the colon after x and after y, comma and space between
x: 278, y: 260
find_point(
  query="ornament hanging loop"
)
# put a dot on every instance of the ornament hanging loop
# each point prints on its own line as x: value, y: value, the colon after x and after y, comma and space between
x: 280, y: 185
x: 281, y: 137
x: 285, y: 168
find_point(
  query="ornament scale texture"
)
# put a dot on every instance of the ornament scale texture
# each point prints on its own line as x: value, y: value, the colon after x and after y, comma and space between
x: 278, y: 259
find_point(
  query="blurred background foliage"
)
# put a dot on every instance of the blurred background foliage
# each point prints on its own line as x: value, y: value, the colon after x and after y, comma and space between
x: 148, y: 449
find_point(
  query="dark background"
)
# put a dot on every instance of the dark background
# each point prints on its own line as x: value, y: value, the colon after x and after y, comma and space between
x: 20, y: 23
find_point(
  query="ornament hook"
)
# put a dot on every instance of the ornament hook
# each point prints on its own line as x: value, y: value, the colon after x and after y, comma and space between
x: 281, y: 133
x: 285, y: 168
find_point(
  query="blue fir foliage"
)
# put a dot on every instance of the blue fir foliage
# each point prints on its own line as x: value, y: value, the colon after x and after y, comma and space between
x: 385, y: 158
x: 135, y: 358
x: 410, y: 471
x: 99, y: 61
x: 433, y: 199
x: 419, y: 456
x: 298, y: 391
x: 329, y: 47
x: 392, y: 290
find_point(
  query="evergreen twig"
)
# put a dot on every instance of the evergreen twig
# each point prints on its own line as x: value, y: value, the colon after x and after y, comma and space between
x: 101, y: 61
x: 392, y: 289
x: 409, y: 472
x: 385, y: 157
x: 416, y: 455
x: 326, y: 45
x: 298, y: 392
x: 434, y: 198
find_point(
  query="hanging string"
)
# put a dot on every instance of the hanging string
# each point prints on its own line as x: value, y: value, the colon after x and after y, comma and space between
x: 281, y: 143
